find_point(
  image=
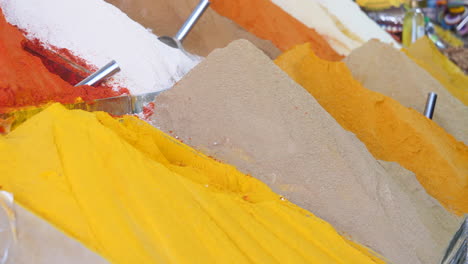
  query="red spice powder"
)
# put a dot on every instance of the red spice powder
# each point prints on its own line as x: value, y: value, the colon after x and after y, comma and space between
x: 26, y: 81
x: 148, y: 110
x: 57, y: 61
x: 51, y: 61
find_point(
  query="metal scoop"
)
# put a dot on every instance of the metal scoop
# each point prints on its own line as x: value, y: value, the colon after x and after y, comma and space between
x: 457, y: 251
x: 100, y: 75
x: 430, y: 105
x: 176, y: 41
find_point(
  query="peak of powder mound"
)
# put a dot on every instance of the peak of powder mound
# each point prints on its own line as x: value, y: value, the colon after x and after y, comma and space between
x: 240, y: 108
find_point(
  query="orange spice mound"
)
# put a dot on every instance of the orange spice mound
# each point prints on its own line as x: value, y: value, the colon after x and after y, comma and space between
x: 25, y: 80
x: 390, y: 131
x: 268, y: 21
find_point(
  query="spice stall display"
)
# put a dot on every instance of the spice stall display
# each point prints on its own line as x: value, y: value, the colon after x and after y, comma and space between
x: 238, y: 153
x: 270, y: 127
x: 100, y: 178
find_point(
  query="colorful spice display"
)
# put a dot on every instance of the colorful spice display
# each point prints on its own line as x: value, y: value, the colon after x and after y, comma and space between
x: 426, y: 55
x: 356, y: 176
x: 135, y: 195
x: 390, y: 131
x: 271, y: 128
x: 268, y: 21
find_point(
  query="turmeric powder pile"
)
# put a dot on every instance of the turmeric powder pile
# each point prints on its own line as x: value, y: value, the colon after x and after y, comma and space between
x: 426, y: 55
x: 268, y: 21
x: 135, y: 195
x: 373, y: 65
x: 390, y: 131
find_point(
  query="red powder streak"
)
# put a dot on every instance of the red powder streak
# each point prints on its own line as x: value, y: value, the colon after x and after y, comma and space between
x: 148, y: 110
x: 56, y: 63
x: 25, y: 80
x: 51, y: 61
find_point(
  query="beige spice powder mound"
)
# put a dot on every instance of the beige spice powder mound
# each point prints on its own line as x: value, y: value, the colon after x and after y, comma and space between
x: 240, y: 108
x: 382, y: 68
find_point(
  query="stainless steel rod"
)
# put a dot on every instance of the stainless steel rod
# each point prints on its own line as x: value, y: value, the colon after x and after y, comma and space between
x: 462, y: 24
x: 192, y: 20
x: 430, y: 105
x: 100, y: 75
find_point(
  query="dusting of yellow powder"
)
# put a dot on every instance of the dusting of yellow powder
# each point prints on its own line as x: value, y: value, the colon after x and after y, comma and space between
x: 426, y: 55
x: 135, y: 195
x: 448, y: 36
x: 390, y: 131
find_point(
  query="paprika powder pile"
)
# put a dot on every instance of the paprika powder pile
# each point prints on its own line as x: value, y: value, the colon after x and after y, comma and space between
x: 25, y: 80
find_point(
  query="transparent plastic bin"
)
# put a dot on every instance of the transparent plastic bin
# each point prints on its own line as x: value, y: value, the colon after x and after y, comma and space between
x: 7, y: 227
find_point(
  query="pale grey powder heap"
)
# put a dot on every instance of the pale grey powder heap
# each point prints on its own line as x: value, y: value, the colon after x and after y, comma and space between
x: 41, y: 243
x: 383, y: 69
x: 239, y: 107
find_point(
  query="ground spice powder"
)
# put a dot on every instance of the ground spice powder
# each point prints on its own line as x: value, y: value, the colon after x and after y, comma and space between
x: 55, y: 62
x: 25, y: 81
x: 384, y: 69
x: 390, y: 131
x: 268, y: 21
x: 212, y: 30
x: 268, y: 126
x: 459, y: 56
x: 426, y: 55
x: 136, y: 195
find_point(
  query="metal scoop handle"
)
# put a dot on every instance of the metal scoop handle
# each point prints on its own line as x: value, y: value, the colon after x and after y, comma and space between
x: 105, y: 72
x: 192, y: 20
x: 430, y: 105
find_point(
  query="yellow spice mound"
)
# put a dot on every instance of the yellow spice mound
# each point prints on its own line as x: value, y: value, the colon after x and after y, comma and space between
x: 448, y: 36
x: 135, y: 195
x: 390, y: 131
x: 426, y: 55
x: 379, y: 4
